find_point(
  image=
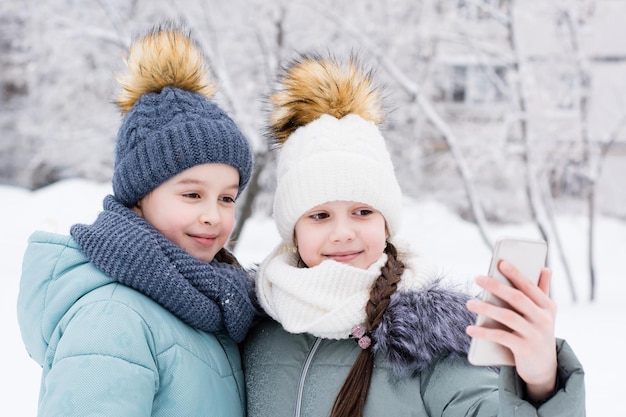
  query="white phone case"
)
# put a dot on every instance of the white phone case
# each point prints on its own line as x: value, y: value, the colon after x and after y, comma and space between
x: 529, y: 257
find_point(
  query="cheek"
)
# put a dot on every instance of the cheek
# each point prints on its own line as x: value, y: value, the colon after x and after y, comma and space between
x: 377, y: 238
x: 309, y: 245
x: 228, y: 220
x: 309, y: 254
x: 299, y: 229
x: 378, y: 242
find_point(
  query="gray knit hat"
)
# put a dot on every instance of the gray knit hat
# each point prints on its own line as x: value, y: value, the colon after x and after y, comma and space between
x: 170, y: 123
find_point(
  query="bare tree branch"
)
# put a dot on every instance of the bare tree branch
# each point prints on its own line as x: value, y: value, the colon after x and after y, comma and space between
x: 100, y: 34
x: 263, y: 156
x: 431, y: 114
x: 539, y: 211
x: 583, y: 104
x: 495, y: 14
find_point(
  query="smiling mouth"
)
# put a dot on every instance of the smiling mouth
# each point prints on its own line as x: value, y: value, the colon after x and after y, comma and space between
x: 343, y: 257
x: 204, y: 240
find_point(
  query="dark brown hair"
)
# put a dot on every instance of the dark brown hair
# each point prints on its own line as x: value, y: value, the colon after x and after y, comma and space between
x: 226, y: 257
x: 350, y: 401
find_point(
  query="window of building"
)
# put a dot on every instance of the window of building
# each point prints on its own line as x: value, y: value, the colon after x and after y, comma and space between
x: 471, y: 84
x: 479, y: 9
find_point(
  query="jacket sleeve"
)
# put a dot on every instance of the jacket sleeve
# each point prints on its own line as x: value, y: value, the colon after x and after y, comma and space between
x: 569, y: 396
x: 103, y: 364
x: 453, y: 388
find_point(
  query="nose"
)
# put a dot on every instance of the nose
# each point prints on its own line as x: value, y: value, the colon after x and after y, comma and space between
x: 210, y: 214
x: 343, y: 230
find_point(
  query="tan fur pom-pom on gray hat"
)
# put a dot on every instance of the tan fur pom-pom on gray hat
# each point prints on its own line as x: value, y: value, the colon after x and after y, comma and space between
x: 171, y: 122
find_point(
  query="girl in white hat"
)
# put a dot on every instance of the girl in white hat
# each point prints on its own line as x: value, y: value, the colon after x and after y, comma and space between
x: 359, y: 324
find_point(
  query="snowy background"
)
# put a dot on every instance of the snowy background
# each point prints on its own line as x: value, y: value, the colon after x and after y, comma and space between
x: 453, y: 82
x: 596, y: 330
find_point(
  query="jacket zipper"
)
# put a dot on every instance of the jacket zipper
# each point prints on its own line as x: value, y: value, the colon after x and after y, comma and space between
x: 305, y: 370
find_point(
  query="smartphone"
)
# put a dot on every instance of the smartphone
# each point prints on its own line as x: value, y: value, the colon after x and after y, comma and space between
x: 529, y: 257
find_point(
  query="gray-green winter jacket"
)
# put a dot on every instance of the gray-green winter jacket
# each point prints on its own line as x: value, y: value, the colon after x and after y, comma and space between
x: 300, y: 375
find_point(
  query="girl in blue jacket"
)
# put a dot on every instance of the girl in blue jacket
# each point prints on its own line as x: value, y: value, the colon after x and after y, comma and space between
x: 139, y: 313
x: 361, y: 325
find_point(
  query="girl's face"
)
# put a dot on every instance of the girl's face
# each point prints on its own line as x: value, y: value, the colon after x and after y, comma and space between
x: 344, y: 231
x: 195, y: 209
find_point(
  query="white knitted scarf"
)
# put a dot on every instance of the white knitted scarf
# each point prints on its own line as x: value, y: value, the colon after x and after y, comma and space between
x: 328, y: 299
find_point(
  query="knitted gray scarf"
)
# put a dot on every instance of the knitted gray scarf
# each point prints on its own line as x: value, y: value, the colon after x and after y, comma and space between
x: 211, y: 296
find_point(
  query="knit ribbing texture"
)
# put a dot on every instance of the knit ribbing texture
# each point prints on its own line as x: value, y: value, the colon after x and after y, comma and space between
x: 170, y: 131
x: 211, y: 296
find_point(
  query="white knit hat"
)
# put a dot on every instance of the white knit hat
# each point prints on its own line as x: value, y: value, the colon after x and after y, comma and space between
x: 324, y: 119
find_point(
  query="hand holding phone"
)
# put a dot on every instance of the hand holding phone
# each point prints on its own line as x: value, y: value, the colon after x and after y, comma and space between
x: 529, y: 257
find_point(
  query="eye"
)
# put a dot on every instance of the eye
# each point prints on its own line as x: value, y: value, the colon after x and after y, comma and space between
x: 227, y: 199
x: 319, y: 216
x: 191, y: 195
x: 363, y: 212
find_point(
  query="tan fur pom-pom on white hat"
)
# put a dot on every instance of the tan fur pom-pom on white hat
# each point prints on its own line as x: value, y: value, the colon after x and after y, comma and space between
x: 325, y: 120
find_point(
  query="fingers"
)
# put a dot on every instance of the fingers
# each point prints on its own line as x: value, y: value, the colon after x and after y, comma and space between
x: 528, y: 317
x: 544, y: 280
x: 527, y: 303
x: 500, y: 336
x: 523, y: 291
x: 510, y: 319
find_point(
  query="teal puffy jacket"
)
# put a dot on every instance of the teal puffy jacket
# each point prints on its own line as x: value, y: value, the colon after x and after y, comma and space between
x: 108, y: 350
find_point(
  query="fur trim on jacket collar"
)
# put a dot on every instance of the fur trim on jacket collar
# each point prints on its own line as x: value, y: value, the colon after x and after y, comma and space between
x: 422, y: 326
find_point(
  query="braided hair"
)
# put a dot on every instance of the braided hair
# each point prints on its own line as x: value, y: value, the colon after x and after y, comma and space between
x: 350, y: 402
